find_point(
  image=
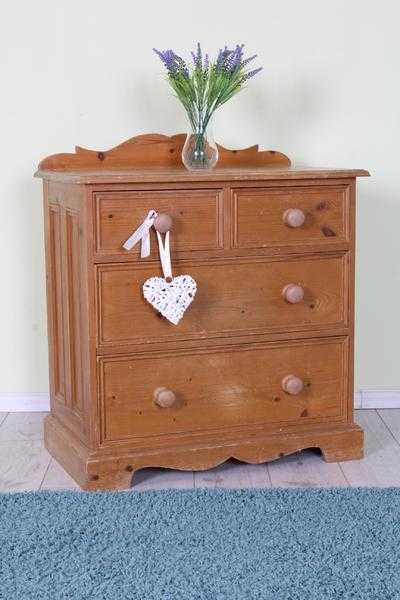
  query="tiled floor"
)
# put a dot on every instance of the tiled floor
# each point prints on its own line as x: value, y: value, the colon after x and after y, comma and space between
x: 26, y: 465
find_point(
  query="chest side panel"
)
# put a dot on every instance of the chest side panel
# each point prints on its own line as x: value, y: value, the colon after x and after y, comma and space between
x: 67, y: 270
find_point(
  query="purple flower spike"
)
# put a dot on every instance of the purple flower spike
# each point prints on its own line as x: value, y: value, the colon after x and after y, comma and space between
x: 199, y: 56
x: 236, y: 58
x: 173, y: 63
x: 222, y: 58
x: 167, y: 58
x: 251, y: 74
x: 248, y: 60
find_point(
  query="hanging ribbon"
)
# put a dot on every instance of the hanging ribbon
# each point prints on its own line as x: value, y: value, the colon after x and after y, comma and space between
x: 170, y: 296
x: 142, y: 233
x: 165, y: 255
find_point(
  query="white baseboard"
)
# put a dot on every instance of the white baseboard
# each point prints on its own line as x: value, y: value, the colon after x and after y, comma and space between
x: 40, y: 402
x: 386, y: 398
x: 29, y: 402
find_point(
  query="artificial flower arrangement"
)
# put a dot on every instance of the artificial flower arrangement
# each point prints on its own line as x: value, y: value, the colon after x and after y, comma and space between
x: 203, y: 86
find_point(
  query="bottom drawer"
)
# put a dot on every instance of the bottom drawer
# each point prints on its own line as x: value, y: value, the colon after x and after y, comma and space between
x: 223, y: 388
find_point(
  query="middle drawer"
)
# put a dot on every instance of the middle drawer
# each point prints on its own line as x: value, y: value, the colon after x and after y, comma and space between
x: 237, y: 297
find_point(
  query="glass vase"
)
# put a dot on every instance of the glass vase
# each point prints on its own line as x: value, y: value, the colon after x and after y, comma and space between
x: 200, y: 151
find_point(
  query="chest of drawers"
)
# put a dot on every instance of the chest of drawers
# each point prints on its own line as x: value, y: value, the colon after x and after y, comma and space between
x: 260, y: 366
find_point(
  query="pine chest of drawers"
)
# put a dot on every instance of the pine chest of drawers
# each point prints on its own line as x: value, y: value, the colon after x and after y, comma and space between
x: 260, y: 366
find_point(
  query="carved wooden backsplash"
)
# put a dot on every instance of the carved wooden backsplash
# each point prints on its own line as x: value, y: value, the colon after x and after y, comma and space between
x: 156, y: 150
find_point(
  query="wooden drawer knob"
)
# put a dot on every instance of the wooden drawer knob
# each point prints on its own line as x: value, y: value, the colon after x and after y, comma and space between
x: 292, y: 384
x: 163, y: 223
x: 164, y: 397
x: 294, y: 217
x: 293, y: 293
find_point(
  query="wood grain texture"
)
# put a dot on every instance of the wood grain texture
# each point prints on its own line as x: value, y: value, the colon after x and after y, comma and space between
x: 258, y: 215
x: 68, y: 304
x: 113, y: 469
x: 303, y: 469
x: 157, y: 158
x: 208, y: 224
x: 225, y: 362
x: 155, y: 150
x: 222, y: 389
x: 197, y: 219
x: 180, y: 175
x: 233, y: 298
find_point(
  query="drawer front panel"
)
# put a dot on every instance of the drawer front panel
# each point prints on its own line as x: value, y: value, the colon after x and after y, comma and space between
x: 197, y: 215
x: 234, y: 297
x: 223, y: 389
x: 259, y: 216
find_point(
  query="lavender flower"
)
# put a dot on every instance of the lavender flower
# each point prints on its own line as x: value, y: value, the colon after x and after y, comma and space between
x: 167, y: 58
x: 221, y: 58
x: 174, y: 64
x: 248, y: 60
x: 199, y: 57
x: 206, y: 85
x: 236, y: 58
x: 251, y: 74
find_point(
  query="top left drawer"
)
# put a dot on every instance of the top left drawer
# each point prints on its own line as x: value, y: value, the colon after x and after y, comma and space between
x: 197, y: 215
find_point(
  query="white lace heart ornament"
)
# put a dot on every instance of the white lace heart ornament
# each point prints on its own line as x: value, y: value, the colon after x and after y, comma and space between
x: 170, y: 296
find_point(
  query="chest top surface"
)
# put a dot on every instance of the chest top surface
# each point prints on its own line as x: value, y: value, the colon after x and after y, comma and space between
x: 156, y: 158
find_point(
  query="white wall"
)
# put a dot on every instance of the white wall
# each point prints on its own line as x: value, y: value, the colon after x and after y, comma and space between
x: 82, y: 72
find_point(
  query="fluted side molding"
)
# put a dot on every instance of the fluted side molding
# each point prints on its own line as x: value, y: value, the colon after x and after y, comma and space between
x: 155, y: 150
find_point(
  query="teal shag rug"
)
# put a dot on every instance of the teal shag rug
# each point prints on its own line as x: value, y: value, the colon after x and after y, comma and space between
x: 280, y: 544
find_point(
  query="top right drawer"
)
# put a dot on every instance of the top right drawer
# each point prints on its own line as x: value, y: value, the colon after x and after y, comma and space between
x: 263, y: 217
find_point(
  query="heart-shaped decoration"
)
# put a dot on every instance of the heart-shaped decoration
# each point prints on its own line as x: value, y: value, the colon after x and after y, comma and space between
x: 171, y: 299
